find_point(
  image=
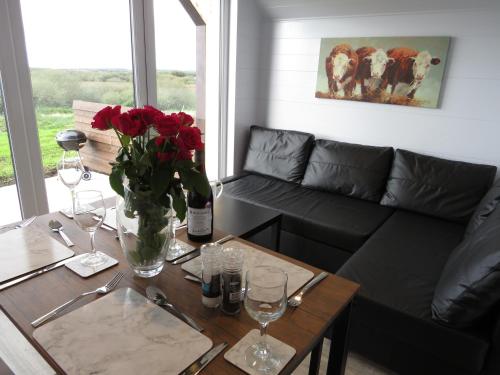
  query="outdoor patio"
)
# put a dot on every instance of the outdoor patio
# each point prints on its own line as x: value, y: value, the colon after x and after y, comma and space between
x: 58, y: 195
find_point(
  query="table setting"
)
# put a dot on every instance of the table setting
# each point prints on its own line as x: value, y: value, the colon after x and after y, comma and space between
x: 118, y: 286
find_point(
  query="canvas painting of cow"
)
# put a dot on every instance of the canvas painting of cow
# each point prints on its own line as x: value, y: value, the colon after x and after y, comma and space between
x: 392, y: 70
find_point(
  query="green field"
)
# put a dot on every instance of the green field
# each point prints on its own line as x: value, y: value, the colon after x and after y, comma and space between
x: 55, y: 89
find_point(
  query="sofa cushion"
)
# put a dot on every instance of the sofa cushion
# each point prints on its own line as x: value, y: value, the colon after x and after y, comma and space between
x: 398, y: 269
x: 470, y: 282
x: 349, y: 169
x: 281, y: 154
x: 443, y: 188
x: 332, y: 219
x: 484, y: 209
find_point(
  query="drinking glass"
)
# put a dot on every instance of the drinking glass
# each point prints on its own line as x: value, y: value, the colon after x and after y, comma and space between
x: 174, y: 248
x: 70, y: 171
x: 89, y: 213
x: 265, y: 301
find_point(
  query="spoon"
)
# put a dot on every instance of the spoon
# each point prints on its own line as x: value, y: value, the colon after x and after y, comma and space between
x: 56, y: 226
x: 158, y: 297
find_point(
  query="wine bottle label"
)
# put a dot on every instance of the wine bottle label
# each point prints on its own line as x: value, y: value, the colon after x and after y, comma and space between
x: 199, y: 221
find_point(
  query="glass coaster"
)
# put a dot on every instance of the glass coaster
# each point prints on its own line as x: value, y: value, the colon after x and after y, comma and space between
x: 236, y: 355
x: 85, y: 271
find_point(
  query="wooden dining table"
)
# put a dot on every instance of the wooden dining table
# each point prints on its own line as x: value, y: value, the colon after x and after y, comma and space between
x: 325, y: 308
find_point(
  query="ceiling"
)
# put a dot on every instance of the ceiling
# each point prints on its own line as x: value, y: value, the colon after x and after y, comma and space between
x: 286, y: 9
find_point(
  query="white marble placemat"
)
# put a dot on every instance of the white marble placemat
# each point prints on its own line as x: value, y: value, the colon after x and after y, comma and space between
x: 121, y: 333
x: 297, y: 276
x: 85, y: 271
x: 27, y: 249
x: 280, y: 350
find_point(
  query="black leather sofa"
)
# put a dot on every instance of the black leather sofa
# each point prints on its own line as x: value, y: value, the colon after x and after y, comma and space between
x: 391, y: 221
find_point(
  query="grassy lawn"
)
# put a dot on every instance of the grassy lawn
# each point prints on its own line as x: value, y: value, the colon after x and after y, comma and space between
x: 55, y: 89
x: 50, y: 121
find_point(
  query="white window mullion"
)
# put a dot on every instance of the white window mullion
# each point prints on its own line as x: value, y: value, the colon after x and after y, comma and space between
x: 143, y: 51
x: 19, y: 110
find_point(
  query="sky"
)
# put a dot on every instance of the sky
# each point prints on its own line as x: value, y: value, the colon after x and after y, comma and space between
x: 95, y: 34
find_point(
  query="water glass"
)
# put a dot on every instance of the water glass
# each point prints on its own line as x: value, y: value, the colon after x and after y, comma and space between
x: 89, y: 212
x: 70, y: 171
x: 265, y: 301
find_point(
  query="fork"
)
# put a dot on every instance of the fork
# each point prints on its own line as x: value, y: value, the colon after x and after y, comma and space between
x: 102, y: 290
x: 296, y: 300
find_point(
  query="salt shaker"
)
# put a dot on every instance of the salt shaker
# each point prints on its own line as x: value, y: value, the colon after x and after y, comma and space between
x: 232, y: 272
x: 211, y: 274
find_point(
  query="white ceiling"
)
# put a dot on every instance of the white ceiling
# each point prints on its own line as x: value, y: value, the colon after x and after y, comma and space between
x: 286, y: 9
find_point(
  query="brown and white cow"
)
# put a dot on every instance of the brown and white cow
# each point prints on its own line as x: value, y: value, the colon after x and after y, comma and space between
x: 409, y: 68
x: 372, y: 65
x: 341, y: 66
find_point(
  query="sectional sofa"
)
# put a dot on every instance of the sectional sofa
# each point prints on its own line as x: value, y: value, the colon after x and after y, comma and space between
x: 420, y: 234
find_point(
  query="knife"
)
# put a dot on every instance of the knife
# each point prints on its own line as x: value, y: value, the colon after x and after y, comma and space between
x: 20, y: 225
x: 204, y: 360
x: 196, y: 252
x: 39, y: 272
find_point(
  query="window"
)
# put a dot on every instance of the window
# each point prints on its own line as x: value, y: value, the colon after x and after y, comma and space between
x: 74, y: 63
x: 87, y: 53
x: 175, y: 39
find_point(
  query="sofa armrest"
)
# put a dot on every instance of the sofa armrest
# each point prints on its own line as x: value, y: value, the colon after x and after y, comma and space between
x: 235, y: 177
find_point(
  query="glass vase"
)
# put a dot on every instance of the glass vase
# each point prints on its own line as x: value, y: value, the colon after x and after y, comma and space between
x: 143, y: 232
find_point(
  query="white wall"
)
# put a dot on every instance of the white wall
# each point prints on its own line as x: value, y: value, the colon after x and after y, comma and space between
x: 465, y: 127
x: 247, y: 25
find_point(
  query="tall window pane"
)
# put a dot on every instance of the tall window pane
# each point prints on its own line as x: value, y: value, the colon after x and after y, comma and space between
x: 175, y: 35
x: 79, y: 52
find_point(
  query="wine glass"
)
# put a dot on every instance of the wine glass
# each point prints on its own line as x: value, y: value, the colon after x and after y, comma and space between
x: 89, y: 213
x: 174, y: 248
x: 70, y: 171
x: 265, y: 301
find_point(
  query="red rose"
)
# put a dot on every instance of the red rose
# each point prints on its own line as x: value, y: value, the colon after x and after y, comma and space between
x: 146, y: 115
x: 191, y: 138
x: 128, y: 126
x: 166, y: 125
x: 185, y: 119
x: 102, y: 119
x: 165, y: 156
x: 181, y: 152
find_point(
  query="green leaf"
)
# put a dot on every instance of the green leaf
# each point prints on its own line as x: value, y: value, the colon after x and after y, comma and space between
x: 160, y: 180
x: 116, y: 180
x: 179, y: 203
x: 125, y: 140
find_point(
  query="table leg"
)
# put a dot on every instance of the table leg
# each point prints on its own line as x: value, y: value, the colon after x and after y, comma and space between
x: 276, y: 234
x: 316, y: 358
x: 339, y: 345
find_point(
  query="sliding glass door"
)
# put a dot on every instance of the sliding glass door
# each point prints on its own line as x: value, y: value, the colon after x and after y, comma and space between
x: 66, y: 59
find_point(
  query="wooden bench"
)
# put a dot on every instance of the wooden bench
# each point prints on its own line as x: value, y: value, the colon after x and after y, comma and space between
x: 102, y: 146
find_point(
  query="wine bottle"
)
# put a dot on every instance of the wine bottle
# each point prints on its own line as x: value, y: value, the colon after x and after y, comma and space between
x: 200, y: 218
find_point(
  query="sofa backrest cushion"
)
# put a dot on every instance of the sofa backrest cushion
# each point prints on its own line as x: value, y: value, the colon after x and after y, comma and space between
x: 470, y: 281
x: 281, y: 154
x: 438, y: 187
x: 484, y: 209
x: 349, y: 169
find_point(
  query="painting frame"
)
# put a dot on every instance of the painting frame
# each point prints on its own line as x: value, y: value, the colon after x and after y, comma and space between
x: 402, y: 70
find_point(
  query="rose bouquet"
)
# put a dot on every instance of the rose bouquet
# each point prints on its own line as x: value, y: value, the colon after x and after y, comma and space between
x: 152, y: 170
